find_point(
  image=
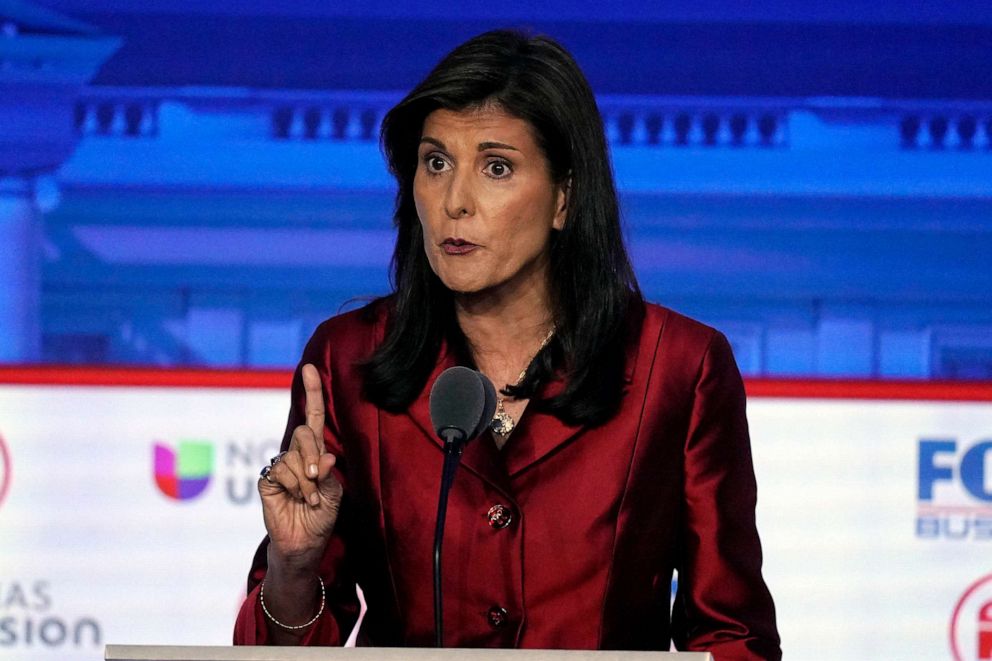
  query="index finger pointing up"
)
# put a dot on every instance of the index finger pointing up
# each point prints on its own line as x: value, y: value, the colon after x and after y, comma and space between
x: 315, y: 404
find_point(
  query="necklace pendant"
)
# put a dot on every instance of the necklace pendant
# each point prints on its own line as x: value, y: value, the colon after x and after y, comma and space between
x: 502, y: 423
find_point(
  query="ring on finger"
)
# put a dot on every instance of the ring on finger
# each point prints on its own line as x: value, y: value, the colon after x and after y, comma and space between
x: 268, y: 469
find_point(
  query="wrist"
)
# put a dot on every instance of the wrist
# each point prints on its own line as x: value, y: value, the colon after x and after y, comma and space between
x: 295, y: 629
x: 294, y: 569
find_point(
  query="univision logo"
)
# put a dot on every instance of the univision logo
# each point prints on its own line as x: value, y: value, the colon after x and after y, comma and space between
x: 183, y: 473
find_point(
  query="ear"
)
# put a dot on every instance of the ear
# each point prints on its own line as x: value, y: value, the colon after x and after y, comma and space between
x: 561, y: 204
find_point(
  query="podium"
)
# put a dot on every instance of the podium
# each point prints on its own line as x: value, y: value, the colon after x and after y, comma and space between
x: 189, y: 653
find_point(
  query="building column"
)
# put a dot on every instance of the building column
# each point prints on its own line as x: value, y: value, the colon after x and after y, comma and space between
x: 20, y: 272
x: 46, y: 58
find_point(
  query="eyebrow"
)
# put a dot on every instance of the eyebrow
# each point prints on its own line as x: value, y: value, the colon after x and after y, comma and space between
x: 496, y: 145
x: 482, y: 145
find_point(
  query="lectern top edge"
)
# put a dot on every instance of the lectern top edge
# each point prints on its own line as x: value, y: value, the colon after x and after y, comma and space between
x: 230, y: 653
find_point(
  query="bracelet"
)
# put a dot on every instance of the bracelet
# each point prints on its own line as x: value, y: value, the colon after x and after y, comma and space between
x: 261, y: 599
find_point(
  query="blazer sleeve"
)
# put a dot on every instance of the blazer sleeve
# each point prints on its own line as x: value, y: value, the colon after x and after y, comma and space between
x: 342, y: 605
x: 723, y: 605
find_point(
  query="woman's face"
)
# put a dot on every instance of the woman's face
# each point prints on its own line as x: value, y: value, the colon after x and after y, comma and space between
x: 486, y: 201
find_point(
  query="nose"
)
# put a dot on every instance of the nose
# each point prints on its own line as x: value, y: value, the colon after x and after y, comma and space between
x: 459, y: 201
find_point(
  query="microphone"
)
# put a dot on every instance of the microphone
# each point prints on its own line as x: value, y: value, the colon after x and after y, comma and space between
x: 462, y: 404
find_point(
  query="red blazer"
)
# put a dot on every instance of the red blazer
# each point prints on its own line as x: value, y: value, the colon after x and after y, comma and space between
x: 568, y: 537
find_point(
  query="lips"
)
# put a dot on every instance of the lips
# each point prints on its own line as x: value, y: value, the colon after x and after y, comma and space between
x: 453, y: 246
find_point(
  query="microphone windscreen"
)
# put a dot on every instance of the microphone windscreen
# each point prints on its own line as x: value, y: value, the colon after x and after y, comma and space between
x: 490, y: 408
x: 458, y: 402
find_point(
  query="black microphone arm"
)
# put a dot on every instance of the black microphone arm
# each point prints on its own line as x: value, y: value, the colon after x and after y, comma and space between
x: 452, y: 457
x: 462, y: 403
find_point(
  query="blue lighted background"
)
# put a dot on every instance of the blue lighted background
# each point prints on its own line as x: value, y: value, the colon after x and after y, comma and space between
x: 814, y: 179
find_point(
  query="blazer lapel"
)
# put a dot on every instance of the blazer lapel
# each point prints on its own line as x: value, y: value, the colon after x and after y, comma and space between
x: 420, y: 409
x: 540, y: 433
x: 480, y: 455
x: 537, y: 434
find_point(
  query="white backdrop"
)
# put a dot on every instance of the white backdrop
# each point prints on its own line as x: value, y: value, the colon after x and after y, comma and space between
x: 865, y: 558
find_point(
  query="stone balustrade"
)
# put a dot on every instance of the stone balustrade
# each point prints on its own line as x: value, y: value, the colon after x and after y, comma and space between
x: 653, y: 122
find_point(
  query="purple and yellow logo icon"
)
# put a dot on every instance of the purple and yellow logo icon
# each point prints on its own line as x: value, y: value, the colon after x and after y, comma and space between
x: 183, y: 473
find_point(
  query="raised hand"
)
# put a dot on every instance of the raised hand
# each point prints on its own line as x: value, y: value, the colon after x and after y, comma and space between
x: 300, y: 494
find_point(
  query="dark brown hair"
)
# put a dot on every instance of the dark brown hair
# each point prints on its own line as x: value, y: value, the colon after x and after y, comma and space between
x: 595, y: 300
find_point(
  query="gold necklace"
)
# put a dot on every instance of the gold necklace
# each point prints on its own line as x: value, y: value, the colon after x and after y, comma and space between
x: 503, y: 423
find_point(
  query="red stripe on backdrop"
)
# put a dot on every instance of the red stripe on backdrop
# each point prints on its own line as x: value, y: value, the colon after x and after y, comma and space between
x: 954, y: 391
x: 144, y: 376
x: 967, y: 391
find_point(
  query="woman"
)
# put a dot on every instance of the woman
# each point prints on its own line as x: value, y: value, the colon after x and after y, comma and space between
x: 619, y: 451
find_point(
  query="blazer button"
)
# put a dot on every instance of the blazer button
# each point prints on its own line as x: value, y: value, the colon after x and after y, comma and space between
x: 497, y: 617
x: 499, y: 516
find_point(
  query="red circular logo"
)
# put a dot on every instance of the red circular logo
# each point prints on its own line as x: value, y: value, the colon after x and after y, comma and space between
x: 971, y: 625
x: 5, y: 471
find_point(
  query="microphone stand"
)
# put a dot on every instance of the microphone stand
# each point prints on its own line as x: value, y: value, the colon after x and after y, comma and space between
x: 453, y: 446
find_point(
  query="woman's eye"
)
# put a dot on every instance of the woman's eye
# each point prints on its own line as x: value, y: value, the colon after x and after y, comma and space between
x: 498, y: 169
x: 434, y: 163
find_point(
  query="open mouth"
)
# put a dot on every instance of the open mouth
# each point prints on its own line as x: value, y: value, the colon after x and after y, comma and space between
x: 457, y: 246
